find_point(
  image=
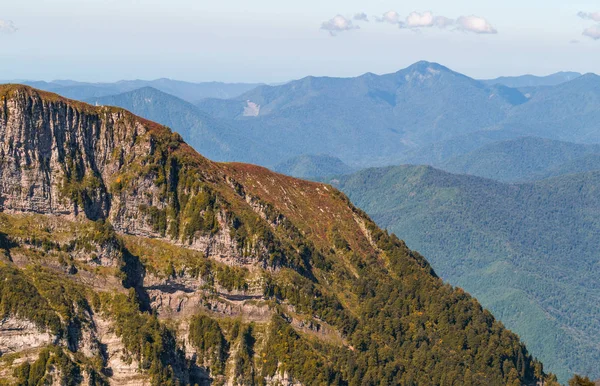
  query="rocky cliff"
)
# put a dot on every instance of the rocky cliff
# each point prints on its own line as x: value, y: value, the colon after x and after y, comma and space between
x: 127, y: 258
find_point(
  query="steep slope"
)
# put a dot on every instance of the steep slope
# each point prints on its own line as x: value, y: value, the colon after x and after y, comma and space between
x: 211, y: 137
x: 367, y: 120
x: 198, y: 272
x: 313, y: 166
x: 526, y: 158
x: 533, y: 80
x: 190, y: 92
x: 528, y: 252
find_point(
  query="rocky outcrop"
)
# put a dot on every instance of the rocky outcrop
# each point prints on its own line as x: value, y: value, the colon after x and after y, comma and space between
x: 281, y: 379
x: 17, y: 335
x: 121, y: 371
x: 66, y: 158
x: 47, y: 143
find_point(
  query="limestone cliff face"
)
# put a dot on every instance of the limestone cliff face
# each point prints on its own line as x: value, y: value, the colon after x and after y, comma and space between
x: 44, y: 143
x: 19, y: 335
x: 66, y: 158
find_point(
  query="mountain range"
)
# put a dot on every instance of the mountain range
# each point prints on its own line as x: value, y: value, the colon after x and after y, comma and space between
x: 127, y: 257
x: 375, y: 120
x: 366, y: 120
x: 528, y: 251
x: 425, y: 113
x: 188, y: 91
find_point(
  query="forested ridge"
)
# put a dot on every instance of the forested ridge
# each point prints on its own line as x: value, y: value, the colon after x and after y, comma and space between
x: 527, y: 251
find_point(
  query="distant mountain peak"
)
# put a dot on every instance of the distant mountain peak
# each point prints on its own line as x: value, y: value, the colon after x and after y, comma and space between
x: 424, y: 66
x: 590, y: 75
x: 588, y: 82
x: 422, y: 71
x: 427, y: 71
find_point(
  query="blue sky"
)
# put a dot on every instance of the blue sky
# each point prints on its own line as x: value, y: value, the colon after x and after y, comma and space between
x: 273, y: 41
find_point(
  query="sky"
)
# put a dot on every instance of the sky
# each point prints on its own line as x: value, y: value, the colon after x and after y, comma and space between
x: 279, y: 40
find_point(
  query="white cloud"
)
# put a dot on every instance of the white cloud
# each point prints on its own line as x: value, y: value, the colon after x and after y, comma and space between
x: 415, y: 21
x: 418, y: 20
x: 426, y: 20
x: 7, y: 26
x: 589, y: 15
x: 391, y: 17
x: 592, y: 32
x: 361, y: 17
x: 338, y: 24
x: 475, y: 24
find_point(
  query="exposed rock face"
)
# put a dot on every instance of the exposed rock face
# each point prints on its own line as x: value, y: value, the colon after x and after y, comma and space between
x: 121, y: 372
x: 20, y: 335
x: 43, y: 143
x: 281, y: 379
x: 66, y: 158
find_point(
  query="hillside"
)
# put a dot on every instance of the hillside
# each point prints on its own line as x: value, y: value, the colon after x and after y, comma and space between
x: 188, y: 91
x: 568, y: 112
x: 367, y: 120
x: 525, y: 159
x: 438, y: 153
x: 528, y: 252
x: 128, y: 257
x: 313, y: 166
x: 211, y: 137
x: 533, y: 80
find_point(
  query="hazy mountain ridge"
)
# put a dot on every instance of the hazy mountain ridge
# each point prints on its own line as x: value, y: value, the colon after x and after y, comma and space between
x: 188, y: 91
x: 251, y: 277
x: 525, y: 159
x: 533, y: 80
x: 370, y: 119
x: 568, y: 112
x: 528, y: 251
x: 382, y: 119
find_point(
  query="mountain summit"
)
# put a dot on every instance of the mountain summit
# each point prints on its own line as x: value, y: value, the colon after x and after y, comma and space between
x: 126, y: 257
